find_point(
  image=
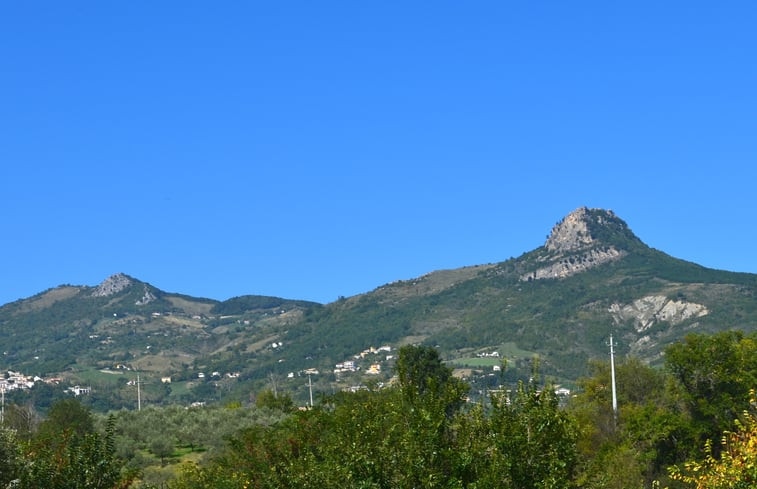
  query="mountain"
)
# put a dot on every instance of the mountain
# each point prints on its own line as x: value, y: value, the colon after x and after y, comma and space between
x: 592, y: 277
x: 83, y: 333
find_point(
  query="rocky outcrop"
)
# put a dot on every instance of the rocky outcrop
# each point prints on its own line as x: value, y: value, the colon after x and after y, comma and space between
x: 570, y: 247
x: 573, y: 264
x: 653, y: 309
x: 570, y: 234
x: 112, y: 285
x: 147, y: 298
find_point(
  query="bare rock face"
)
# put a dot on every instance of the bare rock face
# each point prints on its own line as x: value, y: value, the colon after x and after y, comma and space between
x: 147, y: 298
x: 650, y: 310
x: 112, y: 285
x: 575, y: 264
x: 571, y: 249
x: 570, y: 234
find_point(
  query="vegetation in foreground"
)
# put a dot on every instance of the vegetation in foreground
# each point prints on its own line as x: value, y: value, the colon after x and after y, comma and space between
x: 691, y: 425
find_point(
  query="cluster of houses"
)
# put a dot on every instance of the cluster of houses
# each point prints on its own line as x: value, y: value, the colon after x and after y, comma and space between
x: 16, y: 380
x: 494, y: 354
x: 307, y: 371
x: 168, y: 379
x: 12, y: 381
x: 353, y: 365
x: 374, y: 368
x: 202, y: 375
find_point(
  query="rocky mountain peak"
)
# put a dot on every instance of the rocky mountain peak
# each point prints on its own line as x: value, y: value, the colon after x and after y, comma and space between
x: 584, y: 239
x: 574, y: 231
x: 112, y: 285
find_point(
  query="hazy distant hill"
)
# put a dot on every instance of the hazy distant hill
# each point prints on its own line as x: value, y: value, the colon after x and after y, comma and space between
x: 561, y: 301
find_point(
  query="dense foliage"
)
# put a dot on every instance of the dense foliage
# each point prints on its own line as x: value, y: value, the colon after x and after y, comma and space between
x: 717, y: 374
x: 415, y: 434
x: 736, y: 468
x: 692, y: 424
x: 64, y: 453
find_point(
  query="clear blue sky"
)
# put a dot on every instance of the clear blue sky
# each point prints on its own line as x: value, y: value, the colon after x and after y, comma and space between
x: 315, y: 149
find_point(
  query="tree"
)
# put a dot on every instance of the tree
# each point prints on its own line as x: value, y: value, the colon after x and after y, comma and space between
x: 410, y: 435
x: 67, y: 415
x: 532, y: 441
x: 421, y: 370
x: 272, y: 400
x: 74, y: 462
x: 11, y: 460
x: 716, y: 373
x: 23, y: 419
x: 736, y: 468
x: 162, y: 447
x: 652, y: 429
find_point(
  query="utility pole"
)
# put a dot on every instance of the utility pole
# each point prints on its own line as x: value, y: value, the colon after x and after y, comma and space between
x: 273, y: 385
x: 2, y: 409
x: 139, y: 395
x: 612, y: 374
x: 310, y: 388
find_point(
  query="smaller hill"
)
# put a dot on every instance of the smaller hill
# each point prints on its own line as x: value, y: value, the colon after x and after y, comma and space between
x: 125, y: 321
x: 248, y: 303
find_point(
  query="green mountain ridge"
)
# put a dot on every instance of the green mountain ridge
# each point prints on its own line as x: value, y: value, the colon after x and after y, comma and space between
x: 593, y: 277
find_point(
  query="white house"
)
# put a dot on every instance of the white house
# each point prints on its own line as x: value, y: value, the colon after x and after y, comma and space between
x: 80, y: 391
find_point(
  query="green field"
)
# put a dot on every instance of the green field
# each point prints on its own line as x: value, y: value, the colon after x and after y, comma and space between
x: 476, y: 362
x: 98, y: 376
x: 507, y: 350
x: 511, y: 350
x: 179, y: 389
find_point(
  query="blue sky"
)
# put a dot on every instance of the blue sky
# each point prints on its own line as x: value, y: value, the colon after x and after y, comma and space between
x: 315, y: 149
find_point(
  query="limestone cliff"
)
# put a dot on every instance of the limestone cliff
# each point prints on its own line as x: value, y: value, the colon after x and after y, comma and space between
x: 112, y: 285
x: 580, y: 242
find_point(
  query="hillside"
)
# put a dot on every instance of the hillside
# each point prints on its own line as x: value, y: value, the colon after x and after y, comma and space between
x: 560, y: 302
x: 592, y: 277
x: 103, y: 335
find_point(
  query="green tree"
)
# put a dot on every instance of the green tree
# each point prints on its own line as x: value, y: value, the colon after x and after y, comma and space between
x: 23, y: 419
x: 735, y: 468
x: 716, y: 372
x: 413, y: 434
x: 652, y: 429
x: 280, y: 402
x: 421, y: 370
x: 162, y: 447
x: 73, y: 462
x: 11, y: 461
x: 532, y: 442
x: 399, y: 437
x: 67, y: 415
x: 429, y: 400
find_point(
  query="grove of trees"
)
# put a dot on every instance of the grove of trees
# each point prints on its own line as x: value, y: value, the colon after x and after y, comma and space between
x: 690, y: 424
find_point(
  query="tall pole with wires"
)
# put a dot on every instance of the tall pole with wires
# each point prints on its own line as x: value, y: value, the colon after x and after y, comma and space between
x: 612, y: 375
x: 310, y: 388
x: 139, y: 395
